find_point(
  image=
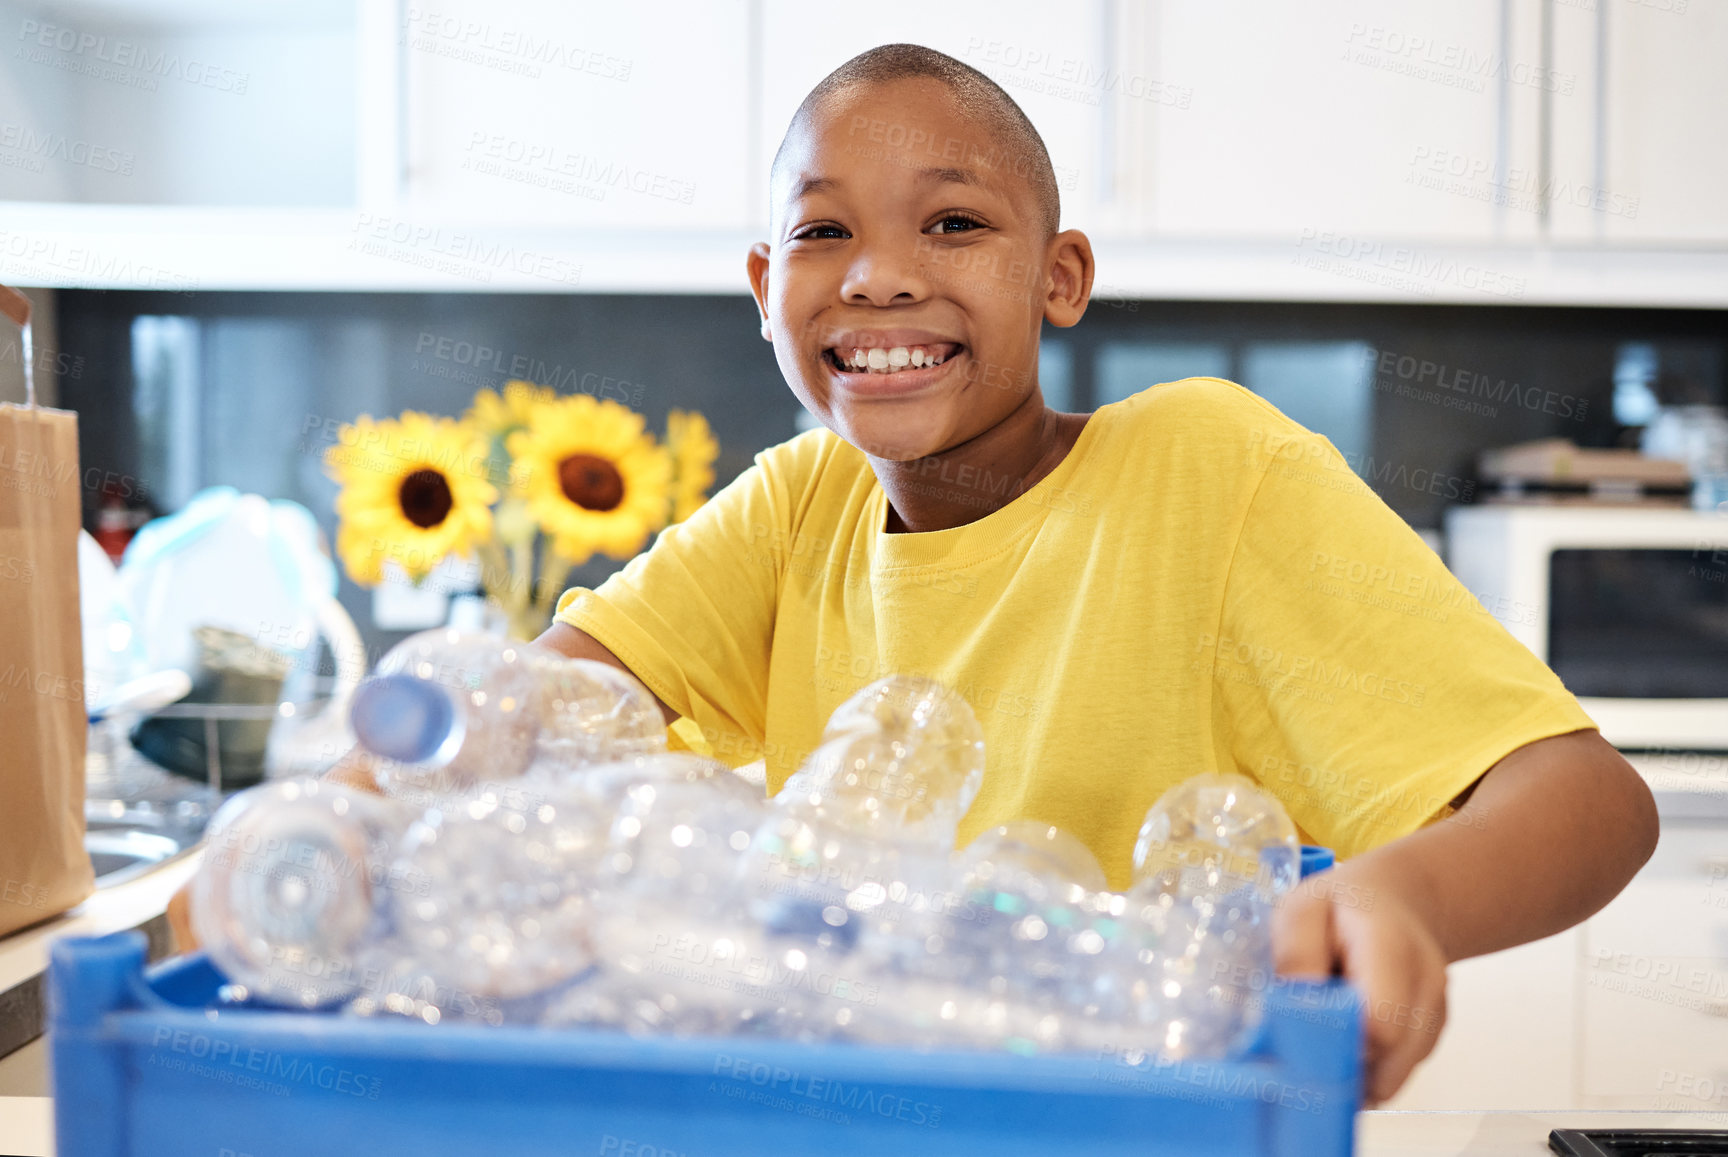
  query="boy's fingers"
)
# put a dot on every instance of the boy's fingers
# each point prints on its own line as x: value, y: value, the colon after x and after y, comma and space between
x: 180, y: 919
x: 1411, y: 1037
x: 1302, y: 937
x: 1405, y: 996
x: 357, y: 770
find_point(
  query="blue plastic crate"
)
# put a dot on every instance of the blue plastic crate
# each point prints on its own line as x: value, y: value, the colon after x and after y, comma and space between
x: 145, y: 1063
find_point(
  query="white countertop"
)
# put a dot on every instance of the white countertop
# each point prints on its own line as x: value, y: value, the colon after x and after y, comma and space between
x: 26, y: 1126
x: 24, y: 954
x: 1501, y: 1134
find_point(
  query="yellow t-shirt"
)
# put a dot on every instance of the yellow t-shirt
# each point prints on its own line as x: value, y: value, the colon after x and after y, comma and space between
x: 1200, y: 585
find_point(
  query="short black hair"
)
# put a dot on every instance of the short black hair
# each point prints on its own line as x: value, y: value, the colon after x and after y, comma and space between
x: 981, y: 98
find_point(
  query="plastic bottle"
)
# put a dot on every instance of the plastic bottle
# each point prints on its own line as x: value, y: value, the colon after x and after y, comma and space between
x: 448, y: 711
x: 296, y: 888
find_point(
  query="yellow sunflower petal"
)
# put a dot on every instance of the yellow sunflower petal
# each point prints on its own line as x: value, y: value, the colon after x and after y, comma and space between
x: 498, y: 413
x: 592, y: 477
x: 694, y: 449
x: 414, y: 491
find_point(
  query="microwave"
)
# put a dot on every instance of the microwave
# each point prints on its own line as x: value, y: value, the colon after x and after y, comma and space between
x: 1628, y: 605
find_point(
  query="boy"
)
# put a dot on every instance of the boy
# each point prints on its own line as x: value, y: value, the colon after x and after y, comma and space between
x: 1180, y: 582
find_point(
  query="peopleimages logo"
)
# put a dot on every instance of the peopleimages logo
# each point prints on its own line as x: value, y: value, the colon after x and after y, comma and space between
x: 87, y: 53
x: 237, y: 1060
x: 802, y: 1091
x: 59, y: 147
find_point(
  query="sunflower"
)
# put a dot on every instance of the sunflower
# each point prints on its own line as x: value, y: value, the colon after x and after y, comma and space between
x: 593, y: 479
x: 414, y: 491
x: 693, y: 448
x: 498, y: 414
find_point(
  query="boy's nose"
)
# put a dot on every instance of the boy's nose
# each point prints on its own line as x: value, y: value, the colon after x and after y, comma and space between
x: 884, y: 278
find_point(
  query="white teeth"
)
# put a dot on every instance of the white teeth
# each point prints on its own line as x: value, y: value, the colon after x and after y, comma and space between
x: 885, y: 360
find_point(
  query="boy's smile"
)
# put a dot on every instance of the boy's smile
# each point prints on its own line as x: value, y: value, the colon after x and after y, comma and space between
x: 878, y: 363
x: 908, y: 276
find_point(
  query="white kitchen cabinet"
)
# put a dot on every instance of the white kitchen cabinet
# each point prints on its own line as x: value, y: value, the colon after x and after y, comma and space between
x: 1510, y: 1039
x: 1653, y: 981
x: 1628, y: 1011
x: 1059, y: 70
x: 1345, y: 117
x: 179, y: 104
x: 1335, y: 150
x: 1654, y: 1034
x: 577, y: 115
x: 1645, y: 160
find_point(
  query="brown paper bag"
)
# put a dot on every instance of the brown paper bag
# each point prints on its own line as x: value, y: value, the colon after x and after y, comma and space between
x: 43, y: 866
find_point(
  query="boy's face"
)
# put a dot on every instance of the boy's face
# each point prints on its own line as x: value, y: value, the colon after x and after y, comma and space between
x: 909, y: 271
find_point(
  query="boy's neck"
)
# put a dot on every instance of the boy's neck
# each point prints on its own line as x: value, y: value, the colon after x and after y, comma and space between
x: 980, y: 476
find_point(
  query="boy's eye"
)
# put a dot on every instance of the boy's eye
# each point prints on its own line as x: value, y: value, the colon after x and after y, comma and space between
x: 820, y: 233
x: 956, y: 223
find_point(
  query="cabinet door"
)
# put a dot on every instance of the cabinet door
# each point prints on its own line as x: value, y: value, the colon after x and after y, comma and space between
x: 1640, y: 155
x: 1667, y: 105
x: 1338, y: 116
x: 1654, y: 981
x: 586, y: 113
x: 1056, y: 62
x: 1510, y: 1034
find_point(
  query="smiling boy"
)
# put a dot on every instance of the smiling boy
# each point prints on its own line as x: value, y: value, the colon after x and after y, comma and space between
x: 1128, y: 598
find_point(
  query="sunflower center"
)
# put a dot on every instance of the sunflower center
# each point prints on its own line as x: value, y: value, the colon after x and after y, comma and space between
x: 591, y: 483
x: 425, y: 498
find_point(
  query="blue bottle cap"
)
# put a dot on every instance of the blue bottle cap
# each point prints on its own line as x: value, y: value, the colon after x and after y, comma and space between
x: 406, y: 719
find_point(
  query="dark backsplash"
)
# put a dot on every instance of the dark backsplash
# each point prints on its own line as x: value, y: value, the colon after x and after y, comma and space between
x: 247, y: 389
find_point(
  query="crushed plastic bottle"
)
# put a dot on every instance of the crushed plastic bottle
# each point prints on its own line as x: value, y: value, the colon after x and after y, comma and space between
x: 449, y: 712
x: 902, y: 759
x: 296, y: 887
x: 860, y: 836
x: 1212, y: 858
x: 570, y: 871
x: 1214, y: 833
x: 1008, y: 959
x: 501, y: 905
x: 1027, y: 853
x: 679, y: 955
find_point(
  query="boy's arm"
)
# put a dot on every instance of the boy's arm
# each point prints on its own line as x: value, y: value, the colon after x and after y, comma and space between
x: 574, y: 643
x: 1546, y: 837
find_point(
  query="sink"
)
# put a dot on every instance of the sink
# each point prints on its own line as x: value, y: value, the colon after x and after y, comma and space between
x: 121, y: 854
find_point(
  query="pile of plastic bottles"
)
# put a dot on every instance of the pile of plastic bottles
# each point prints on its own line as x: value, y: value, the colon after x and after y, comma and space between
x: 538, y: 856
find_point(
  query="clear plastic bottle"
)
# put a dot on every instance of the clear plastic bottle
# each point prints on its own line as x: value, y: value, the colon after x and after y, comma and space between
x: 297, y: 887
x: 1212, y: 858
x: 448, y: 711
x: 501, y: 905
x: 862, y: 833
x: 678, y: 954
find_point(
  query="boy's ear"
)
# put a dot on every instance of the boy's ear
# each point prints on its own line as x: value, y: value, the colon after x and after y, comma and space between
x: 1071, y: 271
x: 756, y: 265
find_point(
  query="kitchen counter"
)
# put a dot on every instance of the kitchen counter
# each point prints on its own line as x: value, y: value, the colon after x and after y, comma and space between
x: 1500, y: 1134
x: 27, y: 1130
x: 140, y: 902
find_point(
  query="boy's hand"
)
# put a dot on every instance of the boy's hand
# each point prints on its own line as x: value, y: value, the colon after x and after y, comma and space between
x: 1334, y: 924
x: 1546, y: 837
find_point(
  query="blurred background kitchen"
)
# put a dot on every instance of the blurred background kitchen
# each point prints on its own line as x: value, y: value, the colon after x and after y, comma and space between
x: 1482, y: 246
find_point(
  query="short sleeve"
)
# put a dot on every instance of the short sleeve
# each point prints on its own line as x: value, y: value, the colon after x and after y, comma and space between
x: 693, y: 616
x: 1354, y: 676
